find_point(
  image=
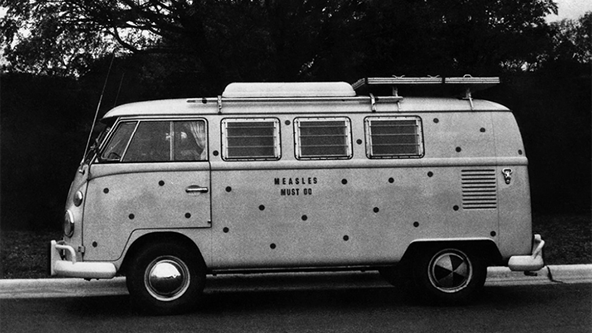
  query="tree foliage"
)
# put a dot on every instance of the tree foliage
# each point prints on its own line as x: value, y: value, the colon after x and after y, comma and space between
x: 572, y: 41
x: 45, y: 38
x: 224, y: 40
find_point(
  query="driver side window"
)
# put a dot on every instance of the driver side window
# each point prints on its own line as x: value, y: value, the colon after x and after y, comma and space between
x: 157, y: 141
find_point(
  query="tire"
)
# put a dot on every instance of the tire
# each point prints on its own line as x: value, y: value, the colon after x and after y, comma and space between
x: 165, y: 278
x: 449, y: 276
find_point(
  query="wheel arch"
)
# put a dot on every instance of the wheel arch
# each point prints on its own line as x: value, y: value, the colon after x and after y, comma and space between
x: 160, y: 237
x: 486, y: 249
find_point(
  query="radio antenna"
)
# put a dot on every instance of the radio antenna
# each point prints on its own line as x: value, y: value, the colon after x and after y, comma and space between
x: 119, y: 90
x: 97, y: 111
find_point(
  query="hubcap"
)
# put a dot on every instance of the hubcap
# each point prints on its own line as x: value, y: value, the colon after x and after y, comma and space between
x: 450, y: 271
x: 167, y: 278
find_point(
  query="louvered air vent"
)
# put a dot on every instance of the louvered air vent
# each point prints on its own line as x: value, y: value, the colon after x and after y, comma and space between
x: 479, y: 189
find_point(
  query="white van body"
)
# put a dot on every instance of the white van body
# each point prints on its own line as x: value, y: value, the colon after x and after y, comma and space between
x: 299, y: 176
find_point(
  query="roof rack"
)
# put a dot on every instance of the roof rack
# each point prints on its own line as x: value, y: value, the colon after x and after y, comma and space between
x: 468, y: 83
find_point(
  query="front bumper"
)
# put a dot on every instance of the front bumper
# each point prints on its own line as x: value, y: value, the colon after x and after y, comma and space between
x: 70, y: 267
x: 532, y: 262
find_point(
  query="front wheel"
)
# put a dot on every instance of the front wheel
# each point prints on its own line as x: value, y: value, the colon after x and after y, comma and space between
x: 165, y: 278
x: 449, y: 275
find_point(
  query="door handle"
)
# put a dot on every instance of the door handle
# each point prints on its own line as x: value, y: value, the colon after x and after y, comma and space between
x: 196, y: 189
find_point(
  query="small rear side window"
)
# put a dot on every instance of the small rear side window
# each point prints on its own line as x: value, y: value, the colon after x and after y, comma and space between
x: 251, y: 139
x: 323, y: 138
x: 394, y: 137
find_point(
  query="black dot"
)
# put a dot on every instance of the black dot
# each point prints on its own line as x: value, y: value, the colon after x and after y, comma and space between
x: 225, y: 230
x: 228, y: 188
x: 105, y: 190
x: 261, y: 207
x: 493, y: 233
x: 131, y: 216
x: 272, y: 246
x: 359, y: 141
x: 161, y: 183
x: 215, y: 153
x: 458, y: 149
x: 204, y: 100
x: 436, y: 120
x: 455, y: 207
x: 187, y: 215
x: 287, y: 122
x: 430, y: 174
x: 391, y: 180
x: 94, y: 244
x: 344, y: 181
x: 304, y: 217
x: 520, y: 152
x: 376, y: 210
x: 482, y: 130
x: 416, y: 224
x: 346, y: 238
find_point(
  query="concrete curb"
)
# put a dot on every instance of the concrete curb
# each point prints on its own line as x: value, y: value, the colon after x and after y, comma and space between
x: 68, y: 287
x: 548, y: 274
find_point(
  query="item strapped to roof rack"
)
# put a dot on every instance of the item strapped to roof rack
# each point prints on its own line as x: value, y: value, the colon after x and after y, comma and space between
x: 395, y: 81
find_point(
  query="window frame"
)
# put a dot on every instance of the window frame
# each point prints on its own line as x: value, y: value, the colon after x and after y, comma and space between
x: 277, y: 139
x: 298, y: 142
x: 420, y: 144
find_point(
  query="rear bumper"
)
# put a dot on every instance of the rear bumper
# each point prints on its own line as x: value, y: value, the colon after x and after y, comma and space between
x: 532, y: 262
x: 70, y: 267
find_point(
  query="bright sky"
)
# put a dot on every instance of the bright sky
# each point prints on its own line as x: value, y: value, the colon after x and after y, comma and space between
x: 570, y: 9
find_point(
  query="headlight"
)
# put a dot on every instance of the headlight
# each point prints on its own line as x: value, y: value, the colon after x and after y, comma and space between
x: 78, y: 198
x: 68, y: 224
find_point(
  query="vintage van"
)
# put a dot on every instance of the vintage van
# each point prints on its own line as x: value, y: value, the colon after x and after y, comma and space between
x: 269, y: 177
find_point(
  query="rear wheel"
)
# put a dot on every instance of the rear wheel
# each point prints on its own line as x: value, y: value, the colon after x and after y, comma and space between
x: 165, y: 278
x: 449, y: 275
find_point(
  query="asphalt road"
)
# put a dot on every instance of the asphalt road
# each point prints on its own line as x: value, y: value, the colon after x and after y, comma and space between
x: 523, y: 308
